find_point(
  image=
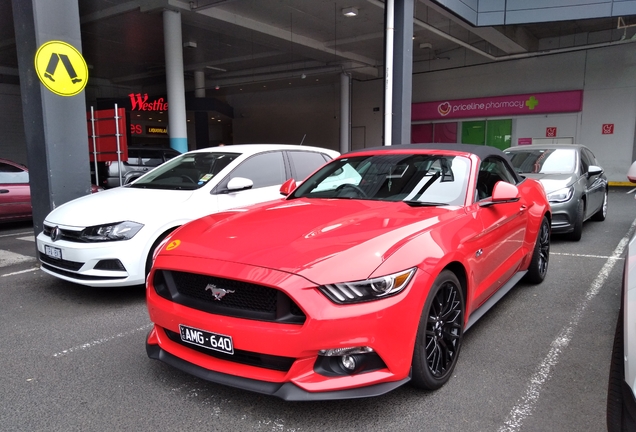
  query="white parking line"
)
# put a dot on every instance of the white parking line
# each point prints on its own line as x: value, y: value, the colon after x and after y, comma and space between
x: 28, y: 238
x: 581, y: 255
x: 524, y: 408
x: 20, y: 272
x: 16, y: 234
x: 8, y: 258
x: 88, y: 345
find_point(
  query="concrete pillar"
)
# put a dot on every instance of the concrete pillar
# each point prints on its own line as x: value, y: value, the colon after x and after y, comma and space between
x: 201, y: 118
x: 345, y: 113
x: 55, y: 125
x: 402, y: 72
x: 173, y: 45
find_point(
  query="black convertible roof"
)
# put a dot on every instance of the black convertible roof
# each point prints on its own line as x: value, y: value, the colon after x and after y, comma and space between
x: 482, y: 151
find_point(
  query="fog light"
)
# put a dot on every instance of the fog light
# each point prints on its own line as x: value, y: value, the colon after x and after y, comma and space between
x: 348, y: 362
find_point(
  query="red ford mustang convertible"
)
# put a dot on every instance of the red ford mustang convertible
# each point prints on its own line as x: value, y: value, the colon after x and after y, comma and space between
x: 363, y: 278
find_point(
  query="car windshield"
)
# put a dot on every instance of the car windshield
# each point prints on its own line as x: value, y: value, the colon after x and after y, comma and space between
x: 543, y: 161
x: 417, y: 179
x: 185, y: 172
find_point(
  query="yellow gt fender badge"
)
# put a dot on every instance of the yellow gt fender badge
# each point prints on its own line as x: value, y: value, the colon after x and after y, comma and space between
x: 173, y: 244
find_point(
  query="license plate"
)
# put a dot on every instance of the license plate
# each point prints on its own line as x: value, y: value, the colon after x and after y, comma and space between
x: 53, y: 252
x: 213, y: 341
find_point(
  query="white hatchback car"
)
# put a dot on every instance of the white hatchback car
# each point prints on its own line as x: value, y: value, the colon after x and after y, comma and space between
x: 107, y: 239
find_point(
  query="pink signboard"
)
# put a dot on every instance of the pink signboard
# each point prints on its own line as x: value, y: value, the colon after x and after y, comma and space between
x: 524, y: 141
x: 513, y: 105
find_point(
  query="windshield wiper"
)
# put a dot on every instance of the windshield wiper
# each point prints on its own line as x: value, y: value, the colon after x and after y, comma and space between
x: 423, y: 203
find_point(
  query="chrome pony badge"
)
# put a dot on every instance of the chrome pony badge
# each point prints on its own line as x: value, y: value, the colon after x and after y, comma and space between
x: 56, y: 233
x: 218, y: 293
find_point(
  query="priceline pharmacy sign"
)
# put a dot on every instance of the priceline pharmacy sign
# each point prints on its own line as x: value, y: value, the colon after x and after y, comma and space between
x: 513, y: 105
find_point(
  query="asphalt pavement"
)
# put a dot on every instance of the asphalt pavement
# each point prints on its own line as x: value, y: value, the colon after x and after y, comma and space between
x: 73, y: 358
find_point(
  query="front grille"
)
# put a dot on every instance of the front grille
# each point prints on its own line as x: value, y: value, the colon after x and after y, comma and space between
x: 244, y: 357
x: 240, y: 299
x: 68, y: 265
x: 78, y: 276
x: 68, y: 235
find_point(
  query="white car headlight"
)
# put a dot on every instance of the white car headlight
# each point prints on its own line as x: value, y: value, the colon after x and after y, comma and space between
x: 366, y: 290
x: 111, y: 232
x: 561, y: 195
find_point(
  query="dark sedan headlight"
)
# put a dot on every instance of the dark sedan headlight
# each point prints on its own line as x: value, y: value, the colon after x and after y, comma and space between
x: 111, y: 232
x: 366, y: 290
x: 561, y: 195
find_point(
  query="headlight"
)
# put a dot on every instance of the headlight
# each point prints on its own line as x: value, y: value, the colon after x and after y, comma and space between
x: 366, y: 290
x: 111, y: 232
x: 561, y: 195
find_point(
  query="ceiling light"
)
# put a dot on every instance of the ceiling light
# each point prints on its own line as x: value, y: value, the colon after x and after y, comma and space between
x: 426, y: 45
x: 216, y: 87
x: 190, y: 44
x: 216, y: 68
x: 350, y: 11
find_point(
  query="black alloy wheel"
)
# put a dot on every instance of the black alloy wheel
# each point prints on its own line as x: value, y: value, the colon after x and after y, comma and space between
x: 439, y: 334
x: 541, y: 256
x: 601, y: 214
x: 576, y: 233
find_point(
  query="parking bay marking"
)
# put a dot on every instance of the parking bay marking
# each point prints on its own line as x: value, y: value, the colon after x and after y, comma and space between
x: 583, y: 255
x: 524, y: 408
x: 91, y: 344
x: 8, y: 258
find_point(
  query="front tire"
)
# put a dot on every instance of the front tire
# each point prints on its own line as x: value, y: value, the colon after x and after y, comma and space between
x: 541, y: 256
x: 601, y: 214
x: 439, y: 333
x: 575, y: 235
x: 619, y: 418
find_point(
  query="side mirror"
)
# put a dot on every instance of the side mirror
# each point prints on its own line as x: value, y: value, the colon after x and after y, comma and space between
x: 288, y: 187
x: 503, y: 192
x: 239, y: 184
x: 593, y: 170
x: 631, y: 173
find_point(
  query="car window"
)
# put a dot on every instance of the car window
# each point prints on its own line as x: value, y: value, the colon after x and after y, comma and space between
x: 305, y: 163
x: 151, y: 158
x: 266, y: 169
x: 133, y: 157
x: 417, y: 179
x: 170, y: 154
x: 186, y: 172
x: 589, y: 157
x: 491, y: 171
x: 585, y: 163
x: 10, y: 174
x: 543, y: 161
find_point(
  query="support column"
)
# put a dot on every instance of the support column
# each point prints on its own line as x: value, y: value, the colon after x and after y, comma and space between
x: 55, y: 126
x: 403, y: 72
x: 173, y: 45
x: 201, y: 125
x: 389, y: 23
x: 345, y: 113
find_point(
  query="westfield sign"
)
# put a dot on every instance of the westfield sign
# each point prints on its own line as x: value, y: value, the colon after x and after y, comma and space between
x: 141, y: 103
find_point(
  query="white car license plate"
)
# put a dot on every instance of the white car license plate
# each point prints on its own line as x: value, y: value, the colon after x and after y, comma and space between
x: 53, y: 252
x: 206, y: 339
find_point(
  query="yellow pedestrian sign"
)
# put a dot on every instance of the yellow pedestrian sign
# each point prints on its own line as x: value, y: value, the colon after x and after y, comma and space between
x: 61, y: 68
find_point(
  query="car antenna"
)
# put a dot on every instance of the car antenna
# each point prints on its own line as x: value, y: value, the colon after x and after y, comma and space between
x: 303, y: 140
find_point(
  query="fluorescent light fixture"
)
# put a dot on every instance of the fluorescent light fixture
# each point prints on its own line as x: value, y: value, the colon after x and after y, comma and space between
x: 350, y: 11
x: 216, y: 68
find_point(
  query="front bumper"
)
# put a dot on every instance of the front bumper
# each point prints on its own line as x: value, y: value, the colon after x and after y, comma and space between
x: 104, y: 264
x: 388, y: 326
x: 564, y: 216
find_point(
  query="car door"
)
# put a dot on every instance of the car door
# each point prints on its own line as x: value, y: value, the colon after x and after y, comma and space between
x: 15, y: 195
x: 595, y: 184
x: 267, y: 172
x: 500, y: 243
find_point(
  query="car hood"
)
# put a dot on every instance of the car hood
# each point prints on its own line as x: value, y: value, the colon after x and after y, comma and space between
x: 322, y: 240
x: 553, y: 182
x: 116, y: 205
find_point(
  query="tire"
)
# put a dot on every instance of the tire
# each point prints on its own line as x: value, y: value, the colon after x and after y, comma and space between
x: 541, y: 256
x: 601, y: 214
x: 439, y: 334
x: 152, y: 250
x: 575, y: 235
x: 618, y: 417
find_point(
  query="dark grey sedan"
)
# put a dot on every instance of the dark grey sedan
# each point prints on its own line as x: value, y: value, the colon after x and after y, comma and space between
x: 573, y: 181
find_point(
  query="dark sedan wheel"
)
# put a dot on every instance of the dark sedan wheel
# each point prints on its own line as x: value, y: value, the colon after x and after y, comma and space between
x: 541, y: 256
x: 601, y: 214
x: 439, y: 334
x: 578, y: 222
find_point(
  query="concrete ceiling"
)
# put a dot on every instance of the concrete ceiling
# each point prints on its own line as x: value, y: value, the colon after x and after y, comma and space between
x: 250, y: 45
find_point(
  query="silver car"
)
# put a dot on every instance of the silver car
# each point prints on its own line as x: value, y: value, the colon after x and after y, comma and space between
x: 621, y: 391
x: 573, y: 181
x: 140, y: 161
